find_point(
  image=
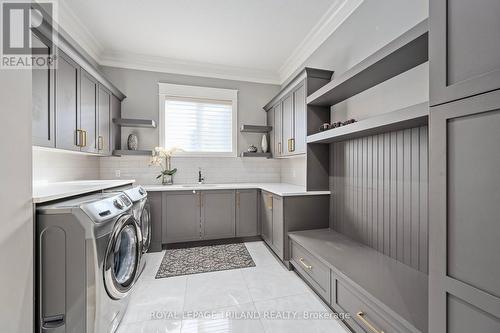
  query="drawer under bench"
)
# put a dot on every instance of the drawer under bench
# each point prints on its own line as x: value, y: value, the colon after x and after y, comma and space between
x: 339, y: 287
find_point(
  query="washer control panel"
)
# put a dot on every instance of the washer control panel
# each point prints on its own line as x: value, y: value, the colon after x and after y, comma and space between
x: 107, y: 207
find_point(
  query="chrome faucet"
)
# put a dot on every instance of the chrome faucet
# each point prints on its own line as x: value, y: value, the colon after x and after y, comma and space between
x: 200, y: 178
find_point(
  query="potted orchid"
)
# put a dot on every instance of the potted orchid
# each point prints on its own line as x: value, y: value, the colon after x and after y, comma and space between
x: 162, y: 157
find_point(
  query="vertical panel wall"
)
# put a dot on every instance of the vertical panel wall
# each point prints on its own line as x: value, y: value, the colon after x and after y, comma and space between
x: 379, y: 193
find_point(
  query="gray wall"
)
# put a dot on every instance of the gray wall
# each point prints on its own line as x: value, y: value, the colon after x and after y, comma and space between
x: 16, y: 216
x: 141, y: 88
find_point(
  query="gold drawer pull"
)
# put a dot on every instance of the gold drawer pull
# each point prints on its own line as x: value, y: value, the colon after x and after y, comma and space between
x: 100, y: 143
x: 361, y: 316
x: 304, y: 264
x: 291, y: 145
x: 279, y: 147
x: 84, y: 138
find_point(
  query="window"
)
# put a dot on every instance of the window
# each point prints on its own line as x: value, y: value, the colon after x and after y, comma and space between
x: 201, y: 121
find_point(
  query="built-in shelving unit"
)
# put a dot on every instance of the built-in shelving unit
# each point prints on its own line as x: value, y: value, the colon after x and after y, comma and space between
x: 125, y: 122
x: 249, y: 154
x: 255, y: 129
x: 409, y: 117
x: 402, y: 54
x: 121, y: 152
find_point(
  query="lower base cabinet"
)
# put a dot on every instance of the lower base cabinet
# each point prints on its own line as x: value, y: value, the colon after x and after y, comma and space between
x: 217, y: 214
x: 181, y: 216
x: 271, y: 215
x: 247, y: 219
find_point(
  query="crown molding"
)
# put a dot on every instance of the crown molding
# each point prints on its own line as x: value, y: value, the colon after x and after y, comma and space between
x: 329, y: 22
x: 182, y: 67
x: 326, y: 26
x: 74, y: 27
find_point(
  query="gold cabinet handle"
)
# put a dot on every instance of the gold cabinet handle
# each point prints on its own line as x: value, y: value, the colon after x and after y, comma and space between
x: 84, y: 144
x: 304, y: 264
x: 238, y: 199
x: 100, y: 143
x: 78, y: 138
x: 269, y: 202
x: 361, y: 316
x: 291, y: 145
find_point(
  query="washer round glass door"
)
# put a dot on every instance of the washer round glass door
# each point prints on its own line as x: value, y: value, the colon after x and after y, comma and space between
x: 122, y: 257
x: 146, y: 227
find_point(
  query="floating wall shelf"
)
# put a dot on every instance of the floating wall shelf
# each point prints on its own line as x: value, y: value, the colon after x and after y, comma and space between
x: 121, y: 152
x: 124, y: 122
x: 409, y: 117
x: 404, y: 53
x: 249, y: 154
x: 255, y: 129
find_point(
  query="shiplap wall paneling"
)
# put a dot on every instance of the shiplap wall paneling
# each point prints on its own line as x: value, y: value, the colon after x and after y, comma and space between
x: 380, y: 193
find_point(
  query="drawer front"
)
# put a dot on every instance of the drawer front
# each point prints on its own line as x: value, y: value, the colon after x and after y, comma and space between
x: 313, y: 270
x: 365, y: 317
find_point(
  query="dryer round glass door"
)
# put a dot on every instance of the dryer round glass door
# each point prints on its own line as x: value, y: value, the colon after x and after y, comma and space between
x: 122, y: 257
x: 146, y: 228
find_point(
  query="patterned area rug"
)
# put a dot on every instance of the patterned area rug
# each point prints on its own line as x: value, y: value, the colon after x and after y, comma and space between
x: 204, y: 259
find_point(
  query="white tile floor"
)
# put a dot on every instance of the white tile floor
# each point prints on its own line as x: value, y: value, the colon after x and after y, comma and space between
x: 217, y: 301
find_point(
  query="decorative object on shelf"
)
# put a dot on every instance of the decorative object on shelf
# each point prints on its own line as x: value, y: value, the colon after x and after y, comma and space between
x: 336, y: 124
x: 324, y: 127
x: 132, y: 142
x: 252, y: 149
x: 347, y: 122
x: 264, y: 144
x: 162, y: 157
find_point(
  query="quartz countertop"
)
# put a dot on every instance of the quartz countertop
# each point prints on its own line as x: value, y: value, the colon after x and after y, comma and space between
x: 281, y: 189
x: 46, y: 191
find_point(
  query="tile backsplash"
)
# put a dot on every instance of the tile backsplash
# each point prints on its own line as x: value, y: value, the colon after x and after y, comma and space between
x: 214, y: 170
x: 51, y: 165
x: 293, y: 170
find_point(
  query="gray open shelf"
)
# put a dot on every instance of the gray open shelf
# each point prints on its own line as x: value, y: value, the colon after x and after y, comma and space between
x: 409, y: 117
x: 255, y: 129
x: 121, y: 152
x: 404, y: 53
x: 125, y: 122
x: 249, y: 154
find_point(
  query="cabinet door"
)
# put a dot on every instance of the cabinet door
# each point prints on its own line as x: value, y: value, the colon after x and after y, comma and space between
x: 270, y: 122
x: 155, y: 206
x: 116, y: 133
x: 288, y: 129
x: 88, y: 111
x: 67, y: 88
x: 299, y: 106
x: 278, y: 131
x: 464, y: 48
x: 218, y: 214
x: 246, y: 213
x: 464, y: 228
x: 278, y: 234
x: 181, y: 211
x: 42, y: 99
x: 104, y: 114
x: 266, y: 217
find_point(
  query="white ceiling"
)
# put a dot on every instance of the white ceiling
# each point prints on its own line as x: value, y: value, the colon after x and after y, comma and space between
x: 253, y: 40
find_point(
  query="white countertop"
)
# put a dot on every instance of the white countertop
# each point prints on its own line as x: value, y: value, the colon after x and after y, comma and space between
x: 43, y: 192
x: 281, y: 189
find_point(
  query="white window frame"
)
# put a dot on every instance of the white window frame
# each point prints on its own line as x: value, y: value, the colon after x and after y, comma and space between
x: 176, y: 90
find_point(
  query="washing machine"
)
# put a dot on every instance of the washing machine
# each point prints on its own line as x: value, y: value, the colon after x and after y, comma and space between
x: 141, y: 211
x: 88, y: 254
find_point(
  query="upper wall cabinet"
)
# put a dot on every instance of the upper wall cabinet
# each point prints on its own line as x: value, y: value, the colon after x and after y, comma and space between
x: 103, y: 121
x: 464, y: 49
x: 288, y: 112
x: 67, y: 86
x: 73, y: 103
x: 43, y: 99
